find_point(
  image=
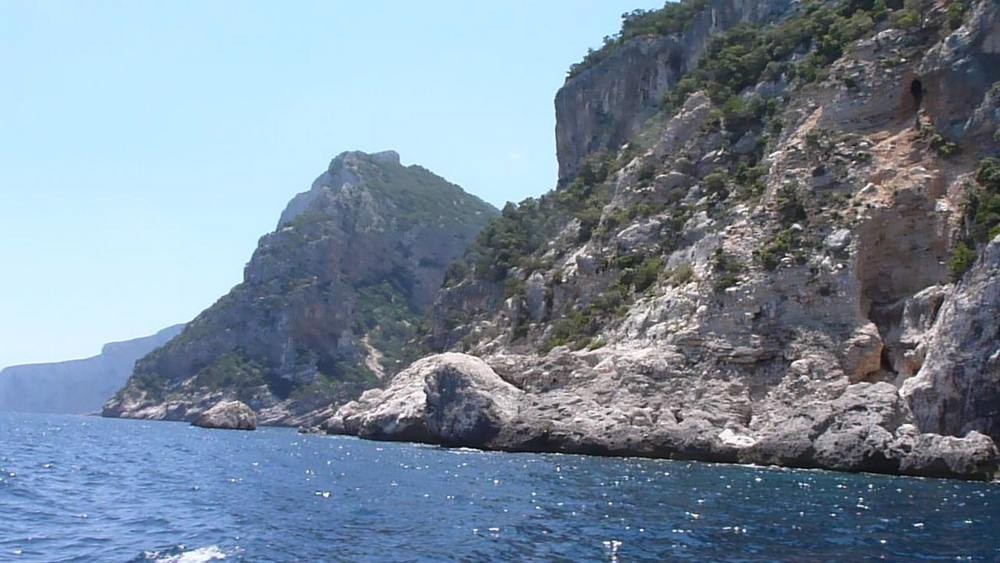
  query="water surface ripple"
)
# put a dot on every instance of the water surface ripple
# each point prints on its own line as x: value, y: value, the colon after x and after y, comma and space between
x: 91, y: 489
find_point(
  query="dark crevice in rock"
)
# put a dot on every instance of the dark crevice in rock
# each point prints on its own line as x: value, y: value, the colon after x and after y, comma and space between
x: 887, y: 317
x: 917, y: 91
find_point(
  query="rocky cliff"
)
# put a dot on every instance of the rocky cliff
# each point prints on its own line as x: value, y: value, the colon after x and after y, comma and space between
x: 327, y: 301
x: 770, y: 244
x: 608, y: 98
x: 77, y: 386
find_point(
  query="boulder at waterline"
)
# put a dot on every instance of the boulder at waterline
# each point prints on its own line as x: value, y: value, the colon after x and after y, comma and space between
x: 228, y: 415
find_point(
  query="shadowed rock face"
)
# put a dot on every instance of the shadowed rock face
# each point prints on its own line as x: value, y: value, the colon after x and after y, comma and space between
x: 327, y: 300
x: 76, y: 386
x: 779, y: 289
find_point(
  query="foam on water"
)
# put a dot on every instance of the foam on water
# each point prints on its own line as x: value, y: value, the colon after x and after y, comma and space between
x: 179, y: 554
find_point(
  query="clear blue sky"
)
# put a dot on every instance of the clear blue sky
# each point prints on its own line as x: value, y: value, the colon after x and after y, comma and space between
x: 146, y: 146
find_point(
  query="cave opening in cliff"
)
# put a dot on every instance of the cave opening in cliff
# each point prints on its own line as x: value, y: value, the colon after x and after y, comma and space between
x: 917, y: 91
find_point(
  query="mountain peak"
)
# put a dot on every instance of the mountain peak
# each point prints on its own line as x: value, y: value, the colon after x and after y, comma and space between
x: 355, y: 158
x: 412, y: 189
x: 386, y: 157
x: 328, y: 302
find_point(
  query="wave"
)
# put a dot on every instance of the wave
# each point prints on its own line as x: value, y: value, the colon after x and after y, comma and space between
x: 180, y: 554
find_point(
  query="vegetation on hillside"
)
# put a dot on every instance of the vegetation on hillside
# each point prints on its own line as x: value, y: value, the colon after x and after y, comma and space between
x: 521, y: 232
x: 674, y: 17
x: 982, y: 216
x: 820, y: 31
x: 799, y: 50
x: 384, y: 314
x: 420, y: 196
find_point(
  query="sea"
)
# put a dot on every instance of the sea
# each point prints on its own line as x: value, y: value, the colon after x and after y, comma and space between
x: 77, y: 488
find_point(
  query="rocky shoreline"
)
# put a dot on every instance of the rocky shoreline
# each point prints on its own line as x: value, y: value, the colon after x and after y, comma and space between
x: 461, y: 401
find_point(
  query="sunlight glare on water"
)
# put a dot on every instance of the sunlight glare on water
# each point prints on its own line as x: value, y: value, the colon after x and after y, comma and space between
x: 86, y: 489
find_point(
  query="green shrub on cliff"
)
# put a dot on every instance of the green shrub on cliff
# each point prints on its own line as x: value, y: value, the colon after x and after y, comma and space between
x: 588, y: 218
x: 574, y: 329
x: 517, y: 237
x: 646, y: 173
x: 641, y: 277
x: 750, y: 180
x: 715, y: 182
x: 937, y: 142
x: 384, y: 315
x: 789, y: 205
x: 956, y: 14
x: 456, y: 272
x: 982, y: 216
x: 983, y: 204
x: 984, y: 212
x: 785, y: 242
x: 727, y: 269
x: 579, y: 327
x: 942, y: 146
x: 745, y: 54
x: 988, y: 174
x: 233, y: 372
x: 681, y: 274
x: 419, y: 196
x: 962, y: 258
x: 674, y: 17
x: 349, y: 381
x: 508, y: 239
x: 905, y: 19
x: 149, y: 383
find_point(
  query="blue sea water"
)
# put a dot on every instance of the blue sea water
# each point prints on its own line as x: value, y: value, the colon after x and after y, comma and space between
x: 90, y: 489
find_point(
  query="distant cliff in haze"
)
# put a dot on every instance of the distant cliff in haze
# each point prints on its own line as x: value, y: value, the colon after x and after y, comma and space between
x: 76, y: 386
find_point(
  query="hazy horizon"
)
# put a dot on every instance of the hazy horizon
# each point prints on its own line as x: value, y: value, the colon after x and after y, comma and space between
x: 149, y: 145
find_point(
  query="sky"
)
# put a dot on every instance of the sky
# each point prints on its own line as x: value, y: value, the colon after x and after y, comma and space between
x: 145, y: 146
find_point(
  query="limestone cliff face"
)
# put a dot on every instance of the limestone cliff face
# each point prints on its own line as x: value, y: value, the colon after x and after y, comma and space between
x: 775, y: 270
x: 958, y: 386
x: 604, y: 105
x: 327, y: 301
x: 76, y: 386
